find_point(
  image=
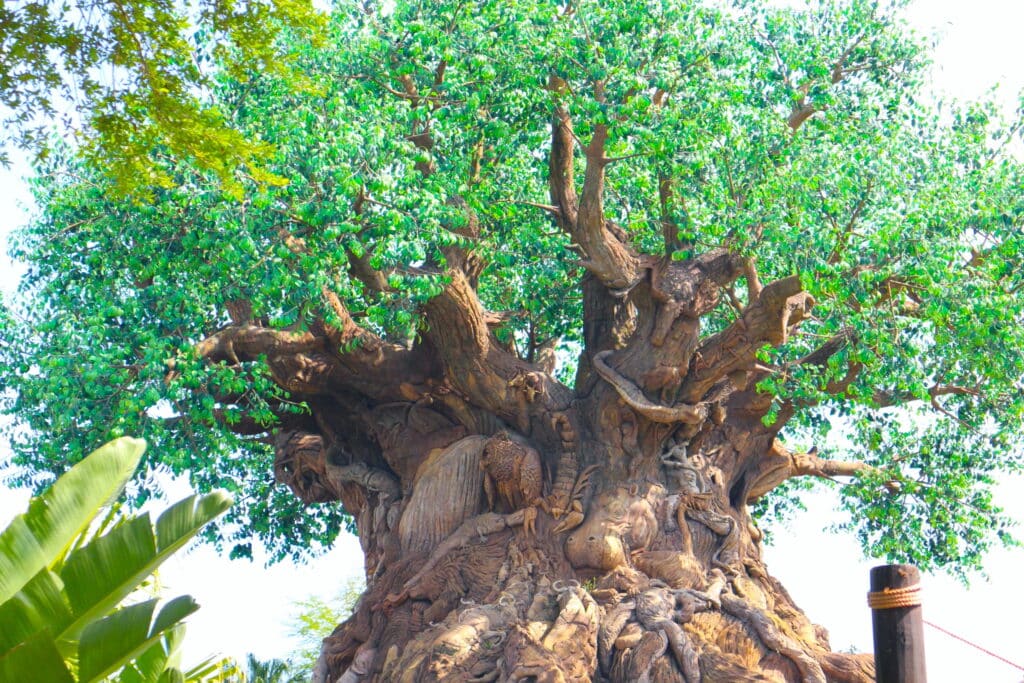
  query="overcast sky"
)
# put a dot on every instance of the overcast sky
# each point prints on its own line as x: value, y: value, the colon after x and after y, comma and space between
x: 245, y: 606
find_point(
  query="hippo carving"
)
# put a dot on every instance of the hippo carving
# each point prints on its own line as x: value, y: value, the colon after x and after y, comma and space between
x: 620, y: 521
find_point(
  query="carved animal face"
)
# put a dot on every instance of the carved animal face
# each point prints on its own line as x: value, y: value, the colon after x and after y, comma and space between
x: 500, y: 457
x: 590, y: 548
x: 619, y: 521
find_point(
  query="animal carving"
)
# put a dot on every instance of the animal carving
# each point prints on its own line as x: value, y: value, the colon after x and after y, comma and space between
x: 620, y: 521
x: 512, y: 473
x: 698, y: 504
x: 665, y: 380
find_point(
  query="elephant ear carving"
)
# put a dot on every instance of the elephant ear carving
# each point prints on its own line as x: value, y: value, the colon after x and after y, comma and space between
x: 448, y: 490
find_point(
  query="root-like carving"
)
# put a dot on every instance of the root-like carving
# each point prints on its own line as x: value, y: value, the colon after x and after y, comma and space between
x: 612, y: 625
x: 636, y: 664
x: 773, y: 637
x: 634, y: 398
x: 480, y: 527
x: 567, y: 651
x: 849, y: 668
x: 657, y: 609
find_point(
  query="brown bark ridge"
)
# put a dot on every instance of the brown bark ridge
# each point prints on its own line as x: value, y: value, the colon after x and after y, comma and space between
x: 515, y: 529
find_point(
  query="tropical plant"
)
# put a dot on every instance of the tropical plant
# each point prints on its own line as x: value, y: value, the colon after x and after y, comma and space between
x: 314, y: 618
x: 555, y: 303
x: 271, y: 671
x: 67, y: 612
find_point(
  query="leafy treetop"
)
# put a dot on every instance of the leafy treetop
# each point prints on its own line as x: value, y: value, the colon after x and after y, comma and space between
x: 131, y: 79
x: 801, y: 140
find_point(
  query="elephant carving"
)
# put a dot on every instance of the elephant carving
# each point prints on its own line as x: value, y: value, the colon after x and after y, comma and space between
x: 620, y: 521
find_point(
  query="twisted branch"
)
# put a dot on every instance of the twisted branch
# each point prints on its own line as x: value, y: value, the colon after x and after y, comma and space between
x: 635, y: 399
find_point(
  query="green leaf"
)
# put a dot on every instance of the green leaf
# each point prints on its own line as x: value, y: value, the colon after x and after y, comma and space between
x: 99, y: 575
x: 40, y: 606
x: 35, y: 659
x: 57, y: 516
x: 110, y: 643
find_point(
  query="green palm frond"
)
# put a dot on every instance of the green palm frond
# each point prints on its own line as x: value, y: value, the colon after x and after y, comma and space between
x: 63, y: 581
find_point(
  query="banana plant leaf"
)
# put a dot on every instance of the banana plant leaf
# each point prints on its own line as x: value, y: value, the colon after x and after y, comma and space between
x: 96, y: 577
x: 34, y: 659
x: 110, y: 643
x: 62, y: 580
x: 57, y: 516
x: 100, y: 575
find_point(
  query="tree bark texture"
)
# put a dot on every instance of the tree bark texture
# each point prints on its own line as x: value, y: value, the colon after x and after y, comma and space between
x: 515, y: 529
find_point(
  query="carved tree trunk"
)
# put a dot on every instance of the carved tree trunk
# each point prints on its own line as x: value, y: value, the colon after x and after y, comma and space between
x: 598, y: 544
x: 515, y: 529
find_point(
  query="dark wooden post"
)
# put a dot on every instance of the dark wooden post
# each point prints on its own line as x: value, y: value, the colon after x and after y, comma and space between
x: 897, y: 623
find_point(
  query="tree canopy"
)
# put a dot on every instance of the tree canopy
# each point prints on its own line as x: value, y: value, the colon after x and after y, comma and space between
x: 129, y: 80
x: 802, y: 143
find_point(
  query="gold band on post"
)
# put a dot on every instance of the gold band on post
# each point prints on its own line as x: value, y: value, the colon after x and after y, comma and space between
x: 893, y: 598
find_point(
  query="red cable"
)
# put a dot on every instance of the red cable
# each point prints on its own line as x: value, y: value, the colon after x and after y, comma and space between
x: 977, y: 647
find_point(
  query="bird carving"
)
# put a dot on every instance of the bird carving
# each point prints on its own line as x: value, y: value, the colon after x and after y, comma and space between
x: 513, y: 474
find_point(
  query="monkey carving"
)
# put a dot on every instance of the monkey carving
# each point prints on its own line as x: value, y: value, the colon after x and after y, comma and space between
x: 665, y: 380
x: 512, y: 471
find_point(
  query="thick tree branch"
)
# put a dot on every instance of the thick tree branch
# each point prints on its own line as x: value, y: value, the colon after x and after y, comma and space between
x: 768, y: 320
x: 457, y: 323
x: 782, y: 464
x: 238, y: 343
x: 461, y: 256
x: 360, y: 268
x: 328, y: 357
x: 831, y: 347
x: 774, y: 637
x: 608, y: 322
x: 669, y: 228
x: 477, y: 367
x: 801, y: 112
x: 754, y: 286
x: 601, y: 244
x: 561, y: 171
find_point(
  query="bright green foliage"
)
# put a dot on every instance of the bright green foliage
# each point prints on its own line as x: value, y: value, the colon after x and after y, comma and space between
x: 315, y: 619
x: 270, y: 671
x: 902, y: 216
x: 214, y: 670
x: 63, y: 585
x: 135, y: 74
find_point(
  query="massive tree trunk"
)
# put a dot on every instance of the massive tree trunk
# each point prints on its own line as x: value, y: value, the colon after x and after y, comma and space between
x: 515, y: 529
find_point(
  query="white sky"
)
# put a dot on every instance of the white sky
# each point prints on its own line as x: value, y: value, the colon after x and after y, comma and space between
x: 245, y: 606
